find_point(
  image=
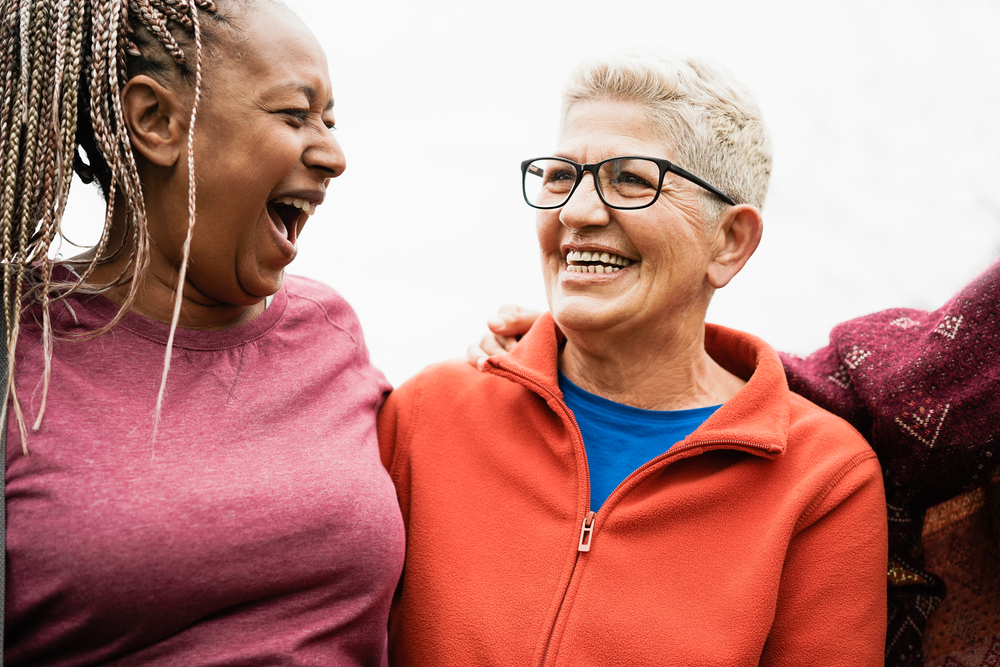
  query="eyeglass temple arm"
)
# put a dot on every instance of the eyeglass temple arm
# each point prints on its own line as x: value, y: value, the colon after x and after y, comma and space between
x: 697, y: 181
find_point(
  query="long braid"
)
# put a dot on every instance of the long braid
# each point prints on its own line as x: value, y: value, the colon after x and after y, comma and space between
x: 8, y: 196
x: 86, y: 73
x: 34, y: 169
x: 56, y: 183
x: 61, y: 82
x: 124, y: 171
x: 179, y: 295
x: 7, y: 26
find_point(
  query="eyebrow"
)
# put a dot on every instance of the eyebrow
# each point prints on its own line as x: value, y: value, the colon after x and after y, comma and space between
x: 306, y: 89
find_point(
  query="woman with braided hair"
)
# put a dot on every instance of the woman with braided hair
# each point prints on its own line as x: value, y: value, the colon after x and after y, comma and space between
x: 232, y: 510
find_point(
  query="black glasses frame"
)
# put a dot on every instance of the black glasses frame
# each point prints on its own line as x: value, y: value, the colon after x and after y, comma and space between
x: 664, y: 165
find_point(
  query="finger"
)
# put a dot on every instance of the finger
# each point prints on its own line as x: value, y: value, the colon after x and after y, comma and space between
x: 512, y: 320
x: 509, y: 309
x: 496, y: 324
x: 491, y: 344
x: 506, y: 343
x: 476, y: 356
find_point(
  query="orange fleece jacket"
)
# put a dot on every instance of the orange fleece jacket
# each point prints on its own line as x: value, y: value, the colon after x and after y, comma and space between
x: 760, y: 539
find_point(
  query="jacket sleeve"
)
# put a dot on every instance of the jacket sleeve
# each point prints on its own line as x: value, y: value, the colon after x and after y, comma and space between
x: 831, y: 608
x: 395, y: 419
x: 388, y: 429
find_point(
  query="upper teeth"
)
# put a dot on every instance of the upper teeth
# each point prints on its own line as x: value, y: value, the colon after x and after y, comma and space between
x: 298, y: 203
x: 614, y: 262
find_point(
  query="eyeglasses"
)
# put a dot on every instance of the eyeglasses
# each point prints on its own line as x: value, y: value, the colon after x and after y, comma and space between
x: 626, y: 183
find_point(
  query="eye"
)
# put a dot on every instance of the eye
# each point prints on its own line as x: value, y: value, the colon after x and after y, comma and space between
x: 559, y: 174
x: 627, y: 178
x: 298, y: 117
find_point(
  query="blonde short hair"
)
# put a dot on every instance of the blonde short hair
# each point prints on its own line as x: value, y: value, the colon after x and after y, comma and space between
x: 712, y: 122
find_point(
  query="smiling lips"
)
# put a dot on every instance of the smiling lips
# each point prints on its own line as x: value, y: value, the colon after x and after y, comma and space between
x: 286, y: 213
x: 578, y: 261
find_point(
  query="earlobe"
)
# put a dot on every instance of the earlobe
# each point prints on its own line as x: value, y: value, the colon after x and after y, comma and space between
x: 739, y: 234
x: 154, y: 119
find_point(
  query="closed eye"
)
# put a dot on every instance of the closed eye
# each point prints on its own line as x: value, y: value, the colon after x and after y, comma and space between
x: 300, y: 116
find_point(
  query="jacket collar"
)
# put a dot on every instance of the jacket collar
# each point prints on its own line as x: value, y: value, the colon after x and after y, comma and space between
x: 757, y: 415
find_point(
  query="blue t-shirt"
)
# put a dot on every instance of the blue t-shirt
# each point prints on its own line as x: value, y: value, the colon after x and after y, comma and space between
x: 620, y: 438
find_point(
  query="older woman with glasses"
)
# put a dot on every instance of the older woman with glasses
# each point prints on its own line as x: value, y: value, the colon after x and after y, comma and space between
x: 632, y: 486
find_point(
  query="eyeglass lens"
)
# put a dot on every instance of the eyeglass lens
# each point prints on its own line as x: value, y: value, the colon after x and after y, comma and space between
x: 624, y: 182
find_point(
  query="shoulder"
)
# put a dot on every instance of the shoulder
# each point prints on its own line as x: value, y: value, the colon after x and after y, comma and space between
x: 446, y: 381
x: 813, y: 432
x: 820, y: 449
x: 456, y: 396
x: 437, y: 413
x: 318, y: 317
x: 834, y: 458
x: 406, y: 406
x: 812, y: 426
x: 300, y: 288
x: 827, y: 449
x: 312, y: 301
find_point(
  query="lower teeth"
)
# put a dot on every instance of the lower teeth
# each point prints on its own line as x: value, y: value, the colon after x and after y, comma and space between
x: 592, y: 268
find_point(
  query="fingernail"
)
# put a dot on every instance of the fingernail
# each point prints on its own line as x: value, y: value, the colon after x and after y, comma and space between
x: 480, y: 362
x: 496, y: 323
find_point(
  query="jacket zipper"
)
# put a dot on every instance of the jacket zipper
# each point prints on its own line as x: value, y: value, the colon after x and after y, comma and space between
x: 587, y: 528
x: 586, y: 532
x: 590, y: 518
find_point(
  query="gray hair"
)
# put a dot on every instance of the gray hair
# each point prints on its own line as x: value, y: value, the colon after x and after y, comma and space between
x: 710, y: 119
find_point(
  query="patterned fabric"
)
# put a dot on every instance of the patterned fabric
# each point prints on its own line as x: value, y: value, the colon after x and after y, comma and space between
x: 965, y: 629
x: 924, y: 389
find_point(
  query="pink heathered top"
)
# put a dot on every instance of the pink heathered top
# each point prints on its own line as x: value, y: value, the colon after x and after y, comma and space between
x: 259, y: 529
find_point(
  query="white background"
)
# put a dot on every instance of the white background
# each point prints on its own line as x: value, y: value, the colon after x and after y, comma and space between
x: 883, y: 115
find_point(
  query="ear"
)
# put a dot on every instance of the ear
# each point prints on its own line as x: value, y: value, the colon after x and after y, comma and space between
x: 737, y: 237
x: 156, y: 120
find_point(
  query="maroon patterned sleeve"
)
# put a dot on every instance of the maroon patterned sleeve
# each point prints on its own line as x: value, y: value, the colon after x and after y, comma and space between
x: 924, y: 389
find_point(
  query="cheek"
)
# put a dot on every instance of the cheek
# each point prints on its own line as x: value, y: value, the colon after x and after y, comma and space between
x: 254, y: 150
x: 215, y: 241
x: 548, y: 228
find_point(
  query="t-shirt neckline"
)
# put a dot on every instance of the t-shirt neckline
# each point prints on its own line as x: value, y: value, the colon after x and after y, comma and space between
x: 104, y: 309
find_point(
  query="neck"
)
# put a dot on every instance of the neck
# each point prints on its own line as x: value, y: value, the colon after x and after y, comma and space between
x: 155, y: 294
x: 672, y: 373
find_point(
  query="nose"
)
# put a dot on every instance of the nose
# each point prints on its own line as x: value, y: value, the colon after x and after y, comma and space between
x: 584, y: 207
x: 325, y: 155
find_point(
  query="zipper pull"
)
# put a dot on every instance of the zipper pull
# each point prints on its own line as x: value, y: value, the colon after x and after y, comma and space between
x: 586, y: 532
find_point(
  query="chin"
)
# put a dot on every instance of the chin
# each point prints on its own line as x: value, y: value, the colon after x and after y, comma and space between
x: 580, y: 313
x: 263, y: 285
x: 274, y: 285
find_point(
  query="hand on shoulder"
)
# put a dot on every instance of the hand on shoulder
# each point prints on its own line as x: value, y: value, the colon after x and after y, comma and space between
x: 505, y: 330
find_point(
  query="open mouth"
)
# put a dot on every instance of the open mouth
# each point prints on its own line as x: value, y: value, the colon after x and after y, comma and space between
x: 288, y: 214
x: 595, y: 262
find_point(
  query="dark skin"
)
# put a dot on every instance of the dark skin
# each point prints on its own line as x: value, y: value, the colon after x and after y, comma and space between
x: 262, y: 137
